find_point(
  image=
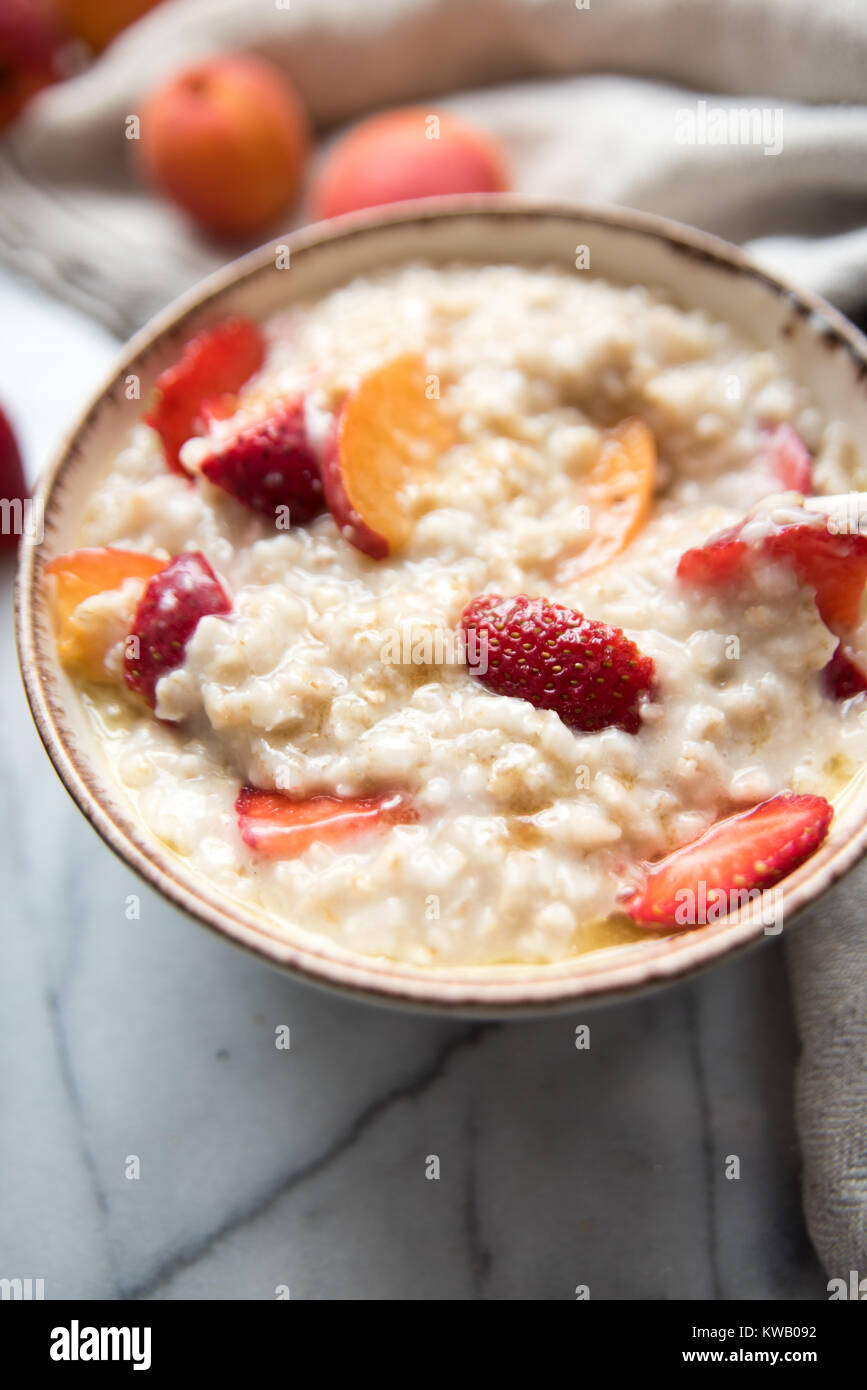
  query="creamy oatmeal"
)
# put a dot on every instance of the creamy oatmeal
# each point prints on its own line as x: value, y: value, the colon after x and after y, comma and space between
x: 335, y: 668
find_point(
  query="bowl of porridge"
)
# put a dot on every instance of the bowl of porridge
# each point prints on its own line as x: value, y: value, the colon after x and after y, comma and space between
x: 462, y: 606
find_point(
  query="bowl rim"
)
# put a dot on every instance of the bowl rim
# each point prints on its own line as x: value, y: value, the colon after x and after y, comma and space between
x: 496, y: 990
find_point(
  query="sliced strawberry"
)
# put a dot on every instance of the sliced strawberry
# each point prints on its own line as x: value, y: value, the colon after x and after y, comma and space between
x: 752, y: 850
x: 834, y: 565
x: 215, y: 362
x: 717, y: 564
x: 166, y: 618
x: 554, y: 657
x: 271, y: 464
x: 789, y: 457
x: 842, y: 677
x: 282, y: 826
x: 219, y: 409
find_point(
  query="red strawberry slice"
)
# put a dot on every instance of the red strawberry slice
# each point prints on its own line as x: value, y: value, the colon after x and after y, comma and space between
x: 166, y: 618
x: 13, y: 487
x: 215, y: 362
x: 216, y: 410
x: 752, y: 850
x: 789, y: 457
x: 835, y: 566
x: 718, y: 564
x: 271, y: 464
x: 842, y: 677
x: 282, y: 826
x: 554, y: 657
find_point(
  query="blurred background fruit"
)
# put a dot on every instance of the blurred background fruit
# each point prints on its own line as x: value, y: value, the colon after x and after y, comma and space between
x: 228, y: 141
x: 408, y: 153
x: 12, y: 482
x: 31, y: 41
x: 98, y: 21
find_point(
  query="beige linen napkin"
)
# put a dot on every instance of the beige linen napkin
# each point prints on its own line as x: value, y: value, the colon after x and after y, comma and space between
x: 74, y: 216
x: 589, y: 100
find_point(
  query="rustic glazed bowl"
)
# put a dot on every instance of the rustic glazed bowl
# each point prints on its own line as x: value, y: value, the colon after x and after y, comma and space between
x: 816, y: 343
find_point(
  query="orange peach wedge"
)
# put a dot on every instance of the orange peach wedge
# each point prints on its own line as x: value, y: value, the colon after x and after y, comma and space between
x: 389, y: 435
x: 79, y: 575
x: 620, y: 488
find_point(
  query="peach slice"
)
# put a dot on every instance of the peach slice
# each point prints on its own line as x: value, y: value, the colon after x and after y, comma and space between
x: 620, y: 489
x: 78, y: 575
x: 389, y: 433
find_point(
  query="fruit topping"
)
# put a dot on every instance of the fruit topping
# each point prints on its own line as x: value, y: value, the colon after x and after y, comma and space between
x: 843, y: 677
x: 167, y: 616
x: 554, y: 657
x: 215, y: 362
x: 388, y: 436
x: 83, y: 640
x: 271, y: 464
x: 789, y: 458
x: 746, y: 852
x: 620, y: 492
x: 282, y: 826
x: 835, y: 566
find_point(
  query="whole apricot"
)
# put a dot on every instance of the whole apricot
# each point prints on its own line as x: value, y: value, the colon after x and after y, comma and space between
x: 408, y: 153
x: 227, y: 140
x: 98, y: 21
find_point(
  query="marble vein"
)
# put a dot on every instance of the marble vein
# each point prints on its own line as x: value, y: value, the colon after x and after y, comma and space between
x: 408, y: 1090
x: 690, y: 1007
x: 85, y: 1154
x: 479, y: 1254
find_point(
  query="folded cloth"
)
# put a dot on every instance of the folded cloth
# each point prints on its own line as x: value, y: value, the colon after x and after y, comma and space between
x: 665, y: 134
x: 827, y: 959
x: 76, y: 217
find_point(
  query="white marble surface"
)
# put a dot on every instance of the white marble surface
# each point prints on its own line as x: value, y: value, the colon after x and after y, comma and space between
x: 306, y: 1167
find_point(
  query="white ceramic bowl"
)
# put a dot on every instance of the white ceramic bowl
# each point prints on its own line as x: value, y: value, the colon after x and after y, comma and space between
x: 818, y: 346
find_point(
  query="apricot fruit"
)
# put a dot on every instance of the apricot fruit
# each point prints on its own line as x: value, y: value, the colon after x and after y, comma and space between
x: 409, y: 153
x: 227, y: 140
